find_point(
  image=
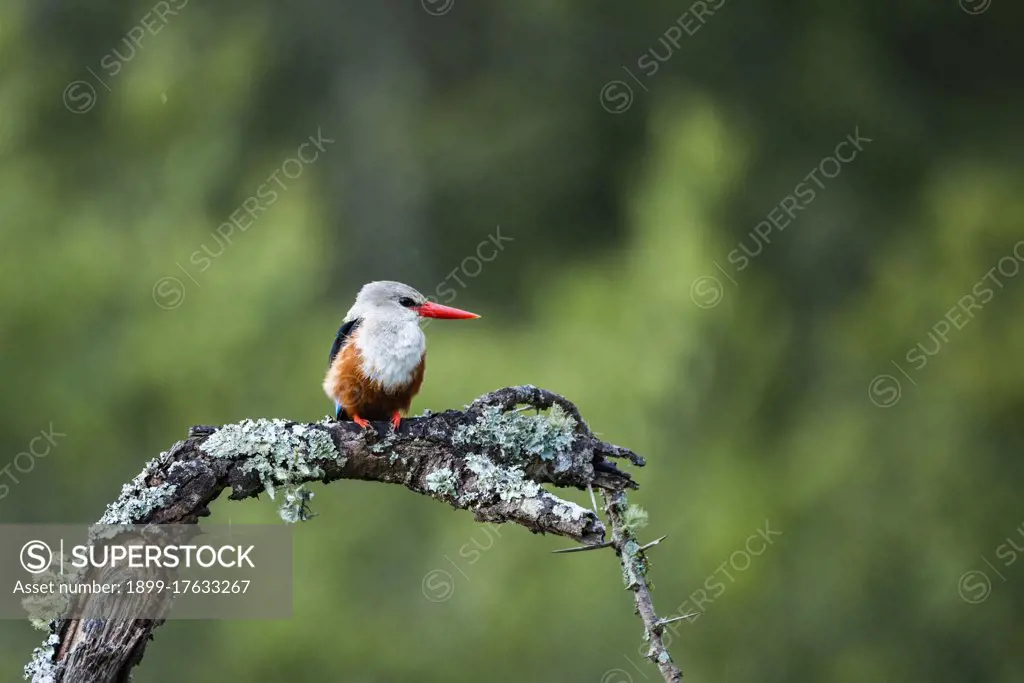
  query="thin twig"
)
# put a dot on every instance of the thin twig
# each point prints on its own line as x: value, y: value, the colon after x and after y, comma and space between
x: 634, y: 571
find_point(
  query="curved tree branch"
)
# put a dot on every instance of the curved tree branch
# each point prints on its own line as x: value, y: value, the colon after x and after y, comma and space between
x: 491, y: 459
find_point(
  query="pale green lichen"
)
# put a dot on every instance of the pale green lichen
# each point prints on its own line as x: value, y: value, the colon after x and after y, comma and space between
x: 520, y: 437
x: 386, y: 444
x: 44, y: 608
x: 280, y: 455
x: 506, y: 483
x: 443, y: 482
x: 40, y: 668
x: 321, y: 445
x: 295, y: 507
x: 634, y: 518
x: 137, y: 499
x: 633, y: 566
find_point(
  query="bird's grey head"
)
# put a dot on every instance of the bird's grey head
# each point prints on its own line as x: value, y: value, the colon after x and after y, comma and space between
x: 387, y: 300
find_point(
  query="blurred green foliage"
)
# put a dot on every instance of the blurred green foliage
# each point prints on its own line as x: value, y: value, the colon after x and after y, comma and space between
x: 760, y: 409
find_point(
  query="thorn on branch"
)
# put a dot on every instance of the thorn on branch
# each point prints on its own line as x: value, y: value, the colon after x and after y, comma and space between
x: 583, y: 548
x: 653, y: 543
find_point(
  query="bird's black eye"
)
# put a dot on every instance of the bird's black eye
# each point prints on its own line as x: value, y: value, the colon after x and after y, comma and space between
x: 407, y: 302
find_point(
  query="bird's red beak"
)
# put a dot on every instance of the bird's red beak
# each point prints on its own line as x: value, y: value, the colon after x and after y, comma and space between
x: 432, y: 310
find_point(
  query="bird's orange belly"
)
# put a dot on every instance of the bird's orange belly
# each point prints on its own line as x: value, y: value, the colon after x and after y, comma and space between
x: 358, y: 395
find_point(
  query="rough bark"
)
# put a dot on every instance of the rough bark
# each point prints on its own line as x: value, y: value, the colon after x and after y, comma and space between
x: 490, y: 458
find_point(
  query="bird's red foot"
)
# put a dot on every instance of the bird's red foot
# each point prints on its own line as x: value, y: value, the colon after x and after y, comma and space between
x: 365, y: 424
x: 396, y: 420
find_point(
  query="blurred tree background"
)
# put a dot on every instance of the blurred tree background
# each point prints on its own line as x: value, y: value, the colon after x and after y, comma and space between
x: 633, y: 153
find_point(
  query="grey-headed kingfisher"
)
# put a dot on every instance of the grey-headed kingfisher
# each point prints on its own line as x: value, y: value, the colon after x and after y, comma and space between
x: 379, y: 354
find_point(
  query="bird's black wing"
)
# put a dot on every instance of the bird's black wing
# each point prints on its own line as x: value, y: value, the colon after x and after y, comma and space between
x: 346, y: 330
x: 345, y: 333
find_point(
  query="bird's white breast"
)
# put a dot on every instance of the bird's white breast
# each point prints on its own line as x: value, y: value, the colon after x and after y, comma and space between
x: 391, y: 351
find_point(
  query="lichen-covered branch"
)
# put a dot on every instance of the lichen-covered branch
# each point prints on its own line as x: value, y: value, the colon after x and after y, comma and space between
x: 490, y: 459
x: 634, y: 575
